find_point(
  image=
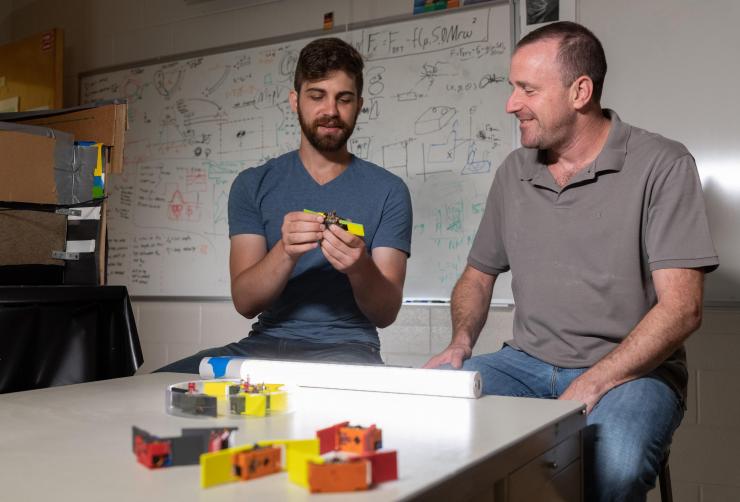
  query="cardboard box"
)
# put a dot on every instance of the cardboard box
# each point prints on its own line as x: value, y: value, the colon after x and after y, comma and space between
x: 37, y: 164
x: 105, y: 124
x: 30, y: 237
x: 27, y: 170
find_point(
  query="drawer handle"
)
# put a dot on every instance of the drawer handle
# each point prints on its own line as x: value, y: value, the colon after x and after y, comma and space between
x: 552, y: 465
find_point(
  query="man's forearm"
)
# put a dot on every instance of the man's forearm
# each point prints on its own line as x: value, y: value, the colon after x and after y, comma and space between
x: 652, y: 341
x: 376, y: 295
x: 471, y: 300
x: 676, y: 315
x: 254, y: 289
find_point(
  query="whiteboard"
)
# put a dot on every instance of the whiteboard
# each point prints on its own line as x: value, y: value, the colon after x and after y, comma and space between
x: 435, y: 93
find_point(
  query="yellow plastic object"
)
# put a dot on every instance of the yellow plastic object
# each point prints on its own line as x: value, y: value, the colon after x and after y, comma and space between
x: 217, y: 389
x: 216, y: 467
x: 255, y: 404
x: 354, y: 228
x: 278, y: 401
x: 297, y: 454
x: 226, y: 397
x: 264, y: 403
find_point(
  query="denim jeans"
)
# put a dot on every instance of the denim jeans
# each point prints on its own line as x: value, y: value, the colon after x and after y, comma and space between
x: 269, y: 347
x: 628, y: 432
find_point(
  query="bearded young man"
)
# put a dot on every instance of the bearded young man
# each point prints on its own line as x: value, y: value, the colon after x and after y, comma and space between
x: 319, y: 290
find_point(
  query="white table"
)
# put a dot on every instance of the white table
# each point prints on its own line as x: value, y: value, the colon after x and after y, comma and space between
x: 73, y: 443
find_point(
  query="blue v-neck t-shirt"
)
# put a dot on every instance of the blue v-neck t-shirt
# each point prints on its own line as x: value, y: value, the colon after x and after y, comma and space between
x: 317, y: 303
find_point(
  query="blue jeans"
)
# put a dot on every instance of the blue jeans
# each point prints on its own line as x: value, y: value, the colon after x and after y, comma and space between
x: 629, y: 430
x: 270, y: 347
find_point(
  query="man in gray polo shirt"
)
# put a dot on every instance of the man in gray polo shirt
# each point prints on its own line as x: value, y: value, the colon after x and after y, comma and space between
x: 604, y: 229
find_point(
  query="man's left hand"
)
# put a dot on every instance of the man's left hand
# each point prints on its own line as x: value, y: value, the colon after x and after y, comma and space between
x: 582, y: 389
x: 345, y: 251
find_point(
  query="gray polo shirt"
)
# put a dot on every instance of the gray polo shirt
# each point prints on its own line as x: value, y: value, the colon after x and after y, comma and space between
x: 581, y: 256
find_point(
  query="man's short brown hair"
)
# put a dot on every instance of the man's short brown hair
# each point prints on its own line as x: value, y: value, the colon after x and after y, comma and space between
x: 580, y: 52
x: 325, y: 55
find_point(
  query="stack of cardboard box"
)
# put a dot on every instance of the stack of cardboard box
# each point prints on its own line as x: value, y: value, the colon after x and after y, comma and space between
x: 52, y: 192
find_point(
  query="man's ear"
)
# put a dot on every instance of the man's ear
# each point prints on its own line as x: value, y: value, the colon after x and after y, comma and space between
x: 582, y: 89
x: 293, y: 98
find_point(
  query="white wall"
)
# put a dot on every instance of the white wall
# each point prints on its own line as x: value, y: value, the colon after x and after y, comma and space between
x: 669, y: 61
x: 102, y: 33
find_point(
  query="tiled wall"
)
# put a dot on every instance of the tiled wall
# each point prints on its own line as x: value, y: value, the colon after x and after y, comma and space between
x: 704, y: 465
x: 704, y: 457
x: 171, y: 330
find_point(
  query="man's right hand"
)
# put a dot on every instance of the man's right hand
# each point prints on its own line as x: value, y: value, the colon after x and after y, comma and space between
x: 454, y: 355
x: 301, y: 232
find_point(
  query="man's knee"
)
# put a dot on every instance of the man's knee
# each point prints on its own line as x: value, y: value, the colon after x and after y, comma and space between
x: 629, y: 432
x: 620, y: 469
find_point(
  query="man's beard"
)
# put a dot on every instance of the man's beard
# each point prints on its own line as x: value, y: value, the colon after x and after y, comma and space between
x: 326, y: 143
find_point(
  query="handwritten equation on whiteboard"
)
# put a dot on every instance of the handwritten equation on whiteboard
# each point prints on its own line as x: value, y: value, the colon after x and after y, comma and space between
x: 435, y: 91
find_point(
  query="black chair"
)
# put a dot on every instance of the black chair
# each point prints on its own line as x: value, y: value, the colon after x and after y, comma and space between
x: 664, y: 478
x: 59, y: 335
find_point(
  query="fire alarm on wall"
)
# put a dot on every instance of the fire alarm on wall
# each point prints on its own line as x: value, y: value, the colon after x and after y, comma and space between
x: 328, y: 20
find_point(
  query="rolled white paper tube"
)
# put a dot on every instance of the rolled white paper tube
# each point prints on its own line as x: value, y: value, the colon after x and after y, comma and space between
x: 221, y: 367
x: 377, y: 378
